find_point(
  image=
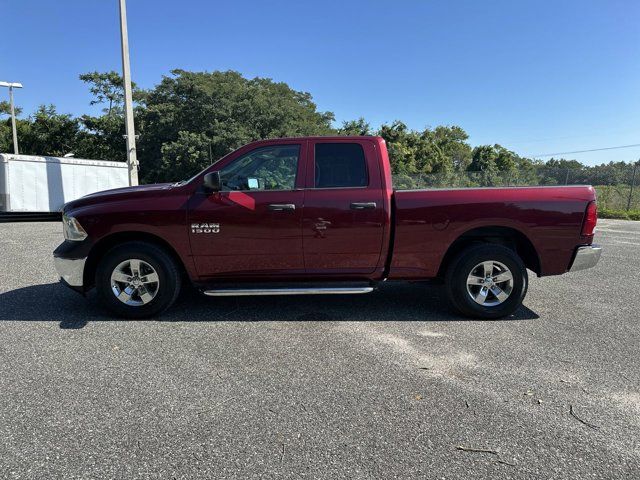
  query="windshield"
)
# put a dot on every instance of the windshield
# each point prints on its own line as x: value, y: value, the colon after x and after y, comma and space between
x: 189, y: 180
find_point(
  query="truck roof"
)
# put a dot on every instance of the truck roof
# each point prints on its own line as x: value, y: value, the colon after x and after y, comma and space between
x: 322, y: 137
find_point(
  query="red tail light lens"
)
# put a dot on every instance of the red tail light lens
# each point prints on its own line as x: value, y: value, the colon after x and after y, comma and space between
x: 590, y: 219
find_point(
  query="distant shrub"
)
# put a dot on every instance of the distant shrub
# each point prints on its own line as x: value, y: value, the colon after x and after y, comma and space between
x: 619, y: 214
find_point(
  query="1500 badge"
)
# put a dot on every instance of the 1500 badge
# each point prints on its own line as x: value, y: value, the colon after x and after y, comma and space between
x: 205, y: 228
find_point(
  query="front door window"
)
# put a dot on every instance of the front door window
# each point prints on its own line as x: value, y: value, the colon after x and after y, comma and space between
x: 268, y: 168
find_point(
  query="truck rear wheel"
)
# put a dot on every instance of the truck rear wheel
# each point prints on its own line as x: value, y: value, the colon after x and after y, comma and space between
x: 486, y: 281
x: 137, y: 280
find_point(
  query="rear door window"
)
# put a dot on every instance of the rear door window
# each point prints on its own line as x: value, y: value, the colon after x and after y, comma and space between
x: 340, y: 165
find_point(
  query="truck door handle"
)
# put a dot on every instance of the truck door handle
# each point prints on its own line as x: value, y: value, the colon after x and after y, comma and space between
x: 280, y: 207
x: 363, y: 205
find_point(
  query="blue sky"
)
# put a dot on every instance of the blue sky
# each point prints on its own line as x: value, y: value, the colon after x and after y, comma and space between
x: 536, y: 76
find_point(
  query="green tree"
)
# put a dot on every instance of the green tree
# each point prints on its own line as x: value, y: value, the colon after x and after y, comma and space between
x: 403, y: 146
x: 6, y: 134
x: 506, y: 160
x: 527, y: 171
x: 355, y: 127
x: 217, y: 112
x: 6, y: 141
x: 483, y: 159
x: 5, y: 108
x: 483, y: 165
x: 430, y: 157
x: 446, y: 150
x: 102, y: 138
x: 48, y: 132
x: 108, y: 89
x: 562, y: 164
x: 185, y: 156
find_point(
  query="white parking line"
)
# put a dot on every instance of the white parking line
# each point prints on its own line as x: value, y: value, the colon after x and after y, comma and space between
x: 607, y: 230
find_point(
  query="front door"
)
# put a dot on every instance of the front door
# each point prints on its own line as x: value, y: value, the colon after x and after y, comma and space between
x: 344, y: 217
x: 253, y: 226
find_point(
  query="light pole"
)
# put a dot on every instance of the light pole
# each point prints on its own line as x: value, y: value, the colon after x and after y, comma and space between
x: 11, y: 86
x: 633, y: 181
x: 132, y: 159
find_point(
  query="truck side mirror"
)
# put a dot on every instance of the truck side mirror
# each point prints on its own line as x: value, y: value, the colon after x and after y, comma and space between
x: 212, y: 181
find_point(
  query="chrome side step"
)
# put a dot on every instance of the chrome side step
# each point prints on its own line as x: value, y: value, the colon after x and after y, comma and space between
x: 242, y: 292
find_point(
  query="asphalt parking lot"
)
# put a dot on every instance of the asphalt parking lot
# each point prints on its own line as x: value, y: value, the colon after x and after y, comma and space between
x: 386, y: 385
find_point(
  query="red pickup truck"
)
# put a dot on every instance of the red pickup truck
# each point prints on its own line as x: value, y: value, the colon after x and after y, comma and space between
x: 318, y: 215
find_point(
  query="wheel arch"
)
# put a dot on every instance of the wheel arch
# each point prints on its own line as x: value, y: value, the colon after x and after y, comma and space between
x: 108, y: 242
x: 505, y: 236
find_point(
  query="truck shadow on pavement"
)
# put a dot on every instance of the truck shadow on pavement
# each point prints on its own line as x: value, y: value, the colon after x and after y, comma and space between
x: 392, y: 303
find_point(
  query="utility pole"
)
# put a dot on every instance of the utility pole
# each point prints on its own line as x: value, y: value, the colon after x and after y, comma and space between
x: 11, y: 86
x: 132, y: 158
x: 633, y: 181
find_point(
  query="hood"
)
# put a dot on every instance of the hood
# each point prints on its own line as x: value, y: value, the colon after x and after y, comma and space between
x: 116, y: 194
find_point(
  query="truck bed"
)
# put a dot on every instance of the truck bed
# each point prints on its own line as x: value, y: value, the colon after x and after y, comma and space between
x: 429, y: 221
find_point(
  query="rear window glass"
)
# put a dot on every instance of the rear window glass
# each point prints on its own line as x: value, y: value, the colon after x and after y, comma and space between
x: 340, y: 165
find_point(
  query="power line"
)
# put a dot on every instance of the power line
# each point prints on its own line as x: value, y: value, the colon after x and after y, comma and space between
x: 599, y: 133
x: 585, y: 151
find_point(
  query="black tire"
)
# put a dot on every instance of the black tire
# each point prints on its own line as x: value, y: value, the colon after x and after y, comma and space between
x: 463, y: 265
x: 167, y: 288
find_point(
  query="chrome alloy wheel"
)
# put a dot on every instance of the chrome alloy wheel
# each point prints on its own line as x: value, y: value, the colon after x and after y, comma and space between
x: 134, y: 282
x: 490, y: 283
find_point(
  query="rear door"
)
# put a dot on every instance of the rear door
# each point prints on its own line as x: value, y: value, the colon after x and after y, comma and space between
x: 253, y: 226
x: 343, y: 220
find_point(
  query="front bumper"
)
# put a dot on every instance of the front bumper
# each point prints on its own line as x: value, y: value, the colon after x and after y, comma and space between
x: 70, y: 259
x: 71, y: 271
x: 585, y: 257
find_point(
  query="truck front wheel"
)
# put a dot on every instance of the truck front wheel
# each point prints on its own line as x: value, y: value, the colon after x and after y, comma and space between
x: 486, y: 281
x: 137, y: 280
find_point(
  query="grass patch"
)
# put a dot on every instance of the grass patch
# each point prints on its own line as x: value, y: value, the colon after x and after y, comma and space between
x: 619, y: 214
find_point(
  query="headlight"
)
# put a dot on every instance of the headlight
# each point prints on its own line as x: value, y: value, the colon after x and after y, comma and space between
x: 72, y: 229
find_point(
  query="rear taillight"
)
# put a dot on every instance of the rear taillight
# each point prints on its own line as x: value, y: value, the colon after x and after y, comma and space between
x: 590, y: 219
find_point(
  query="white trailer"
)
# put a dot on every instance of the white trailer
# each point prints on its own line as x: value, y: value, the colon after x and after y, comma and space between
x: 32, y: 185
